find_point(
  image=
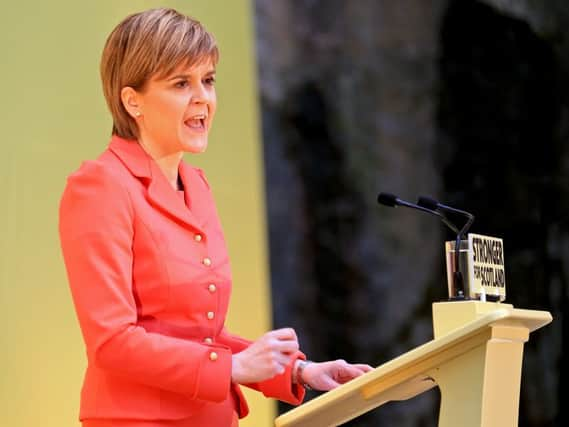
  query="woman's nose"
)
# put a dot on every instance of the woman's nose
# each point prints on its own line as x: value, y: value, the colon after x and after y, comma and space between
x: 200, y: 95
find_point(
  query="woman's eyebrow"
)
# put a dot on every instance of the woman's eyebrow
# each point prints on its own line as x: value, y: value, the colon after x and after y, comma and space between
x: 187, y: 76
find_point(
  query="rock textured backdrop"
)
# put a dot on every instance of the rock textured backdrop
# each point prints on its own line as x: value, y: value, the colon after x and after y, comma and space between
x: 466, y: 101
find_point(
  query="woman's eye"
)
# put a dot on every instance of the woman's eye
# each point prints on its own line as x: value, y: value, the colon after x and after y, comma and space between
x: 182, y: 83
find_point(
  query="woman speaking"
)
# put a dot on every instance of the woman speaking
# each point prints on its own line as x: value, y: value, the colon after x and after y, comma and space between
x: 145, y: 253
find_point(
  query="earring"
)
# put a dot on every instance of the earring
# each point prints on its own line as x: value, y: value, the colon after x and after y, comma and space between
x: 138, y: 114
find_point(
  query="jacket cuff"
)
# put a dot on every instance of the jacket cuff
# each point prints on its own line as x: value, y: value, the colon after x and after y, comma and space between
x: 281, y: 386
x: 215, y: 375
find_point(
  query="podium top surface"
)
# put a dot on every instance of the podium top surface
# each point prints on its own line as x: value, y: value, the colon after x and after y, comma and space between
x: 405, y: 376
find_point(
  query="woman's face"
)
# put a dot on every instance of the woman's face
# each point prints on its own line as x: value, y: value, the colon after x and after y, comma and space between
x: 176, y: 112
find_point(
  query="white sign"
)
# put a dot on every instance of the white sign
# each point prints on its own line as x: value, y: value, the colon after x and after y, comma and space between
x: 486, y: 267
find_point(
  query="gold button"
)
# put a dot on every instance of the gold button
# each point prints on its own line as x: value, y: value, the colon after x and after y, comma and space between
x: 213, y: 356
x: 212, y: 288
x: 210, y: 315
x: 198, y: 237
x: 206, y: 262
x: 208, y: 340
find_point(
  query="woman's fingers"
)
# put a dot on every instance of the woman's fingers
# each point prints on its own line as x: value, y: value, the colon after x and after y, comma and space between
x: 327, y: 383
x: 284, y: 334
x: 286, y: 347
x: 363, y: 367
x: 345, y: 373
x: 281, y: 340
x: 350, y: 371
x: 280, y: 358
x: 266, y: 357
x: 329, y: 375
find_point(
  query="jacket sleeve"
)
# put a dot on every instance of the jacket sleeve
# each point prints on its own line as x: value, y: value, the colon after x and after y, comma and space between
x: 280, y: 386
x: 96, y: 233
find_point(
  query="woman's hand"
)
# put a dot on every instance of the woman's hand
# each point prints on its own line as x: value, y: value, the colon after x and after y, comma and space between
x: 265, y: 358
x: 326, y: 376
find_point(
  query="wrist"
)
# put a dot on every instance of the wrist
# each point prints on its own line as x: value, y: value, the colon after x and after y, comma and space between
x: 234, y: 369
x: 297, y: 377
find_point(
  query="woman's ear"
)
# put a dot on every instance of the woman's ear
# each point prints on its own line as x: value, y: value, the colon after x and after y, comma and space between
x: 131, y: 102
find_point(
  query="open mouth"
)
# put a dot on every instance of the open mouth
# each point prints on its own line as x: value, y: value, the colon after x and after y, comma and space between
x: 197, y: 122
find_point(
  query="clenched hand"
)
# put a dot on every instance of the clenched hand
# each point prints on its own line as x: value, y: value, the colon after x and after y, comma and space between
x: 265, y: 358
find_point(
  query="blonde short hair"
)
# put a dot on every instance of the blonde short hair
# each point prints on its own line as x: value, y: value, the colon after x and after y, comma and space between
x: 147, y: 44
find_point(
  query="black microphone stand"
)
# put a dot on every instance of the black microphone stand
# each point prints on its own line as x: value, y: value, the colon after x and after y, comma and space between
x: 458, y: 279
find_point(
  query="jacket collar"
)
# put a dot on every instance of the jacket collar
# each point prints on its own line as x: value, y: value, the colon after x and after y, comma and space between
x: 160, y: 192
x: 136, y: 160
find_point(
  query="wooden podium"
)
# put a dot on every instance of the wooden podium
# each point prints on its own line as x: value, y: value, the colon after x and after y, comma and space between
x: 475, y: 359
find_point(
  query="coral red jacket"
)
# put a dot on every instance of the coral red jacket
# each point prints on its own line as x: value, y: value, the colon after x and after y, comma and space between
x: 150, y: 278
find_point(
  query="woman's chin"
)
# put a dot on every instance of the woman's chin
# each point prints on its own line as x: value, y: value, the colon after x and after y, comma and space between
x: 195, y: 145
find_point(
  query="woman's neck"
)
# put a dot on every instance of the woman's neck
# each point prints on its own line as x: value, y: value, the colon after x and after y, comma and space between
x: 167, y: 162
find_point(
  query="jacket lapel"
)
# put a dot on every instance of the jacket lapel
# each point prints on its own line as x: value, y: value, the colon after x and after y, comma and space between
x: 159, y: 192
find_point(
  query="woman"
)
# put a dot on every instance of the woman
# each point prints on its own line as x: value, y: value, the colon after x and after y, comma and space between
x: 145, y: 254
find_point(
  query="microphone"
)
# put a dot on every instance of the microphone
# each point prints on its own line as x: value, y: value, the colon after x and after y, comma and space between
x: 392, y: 201
x: 429, y: 203
x: 432, y: 204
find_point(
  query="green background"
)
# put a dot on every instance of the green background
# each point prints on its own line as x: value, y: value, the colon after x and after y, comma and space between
x: 53, y: 116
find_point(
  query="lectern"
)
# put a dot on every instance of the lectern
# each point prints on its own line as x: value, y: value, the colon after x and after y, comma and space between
x: 475, y: 359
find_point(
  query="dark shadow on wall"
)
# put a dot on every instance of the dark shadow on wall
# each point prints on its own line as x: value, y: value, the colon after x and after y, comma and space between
x: 502, y: 149
x: 332, y: 209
